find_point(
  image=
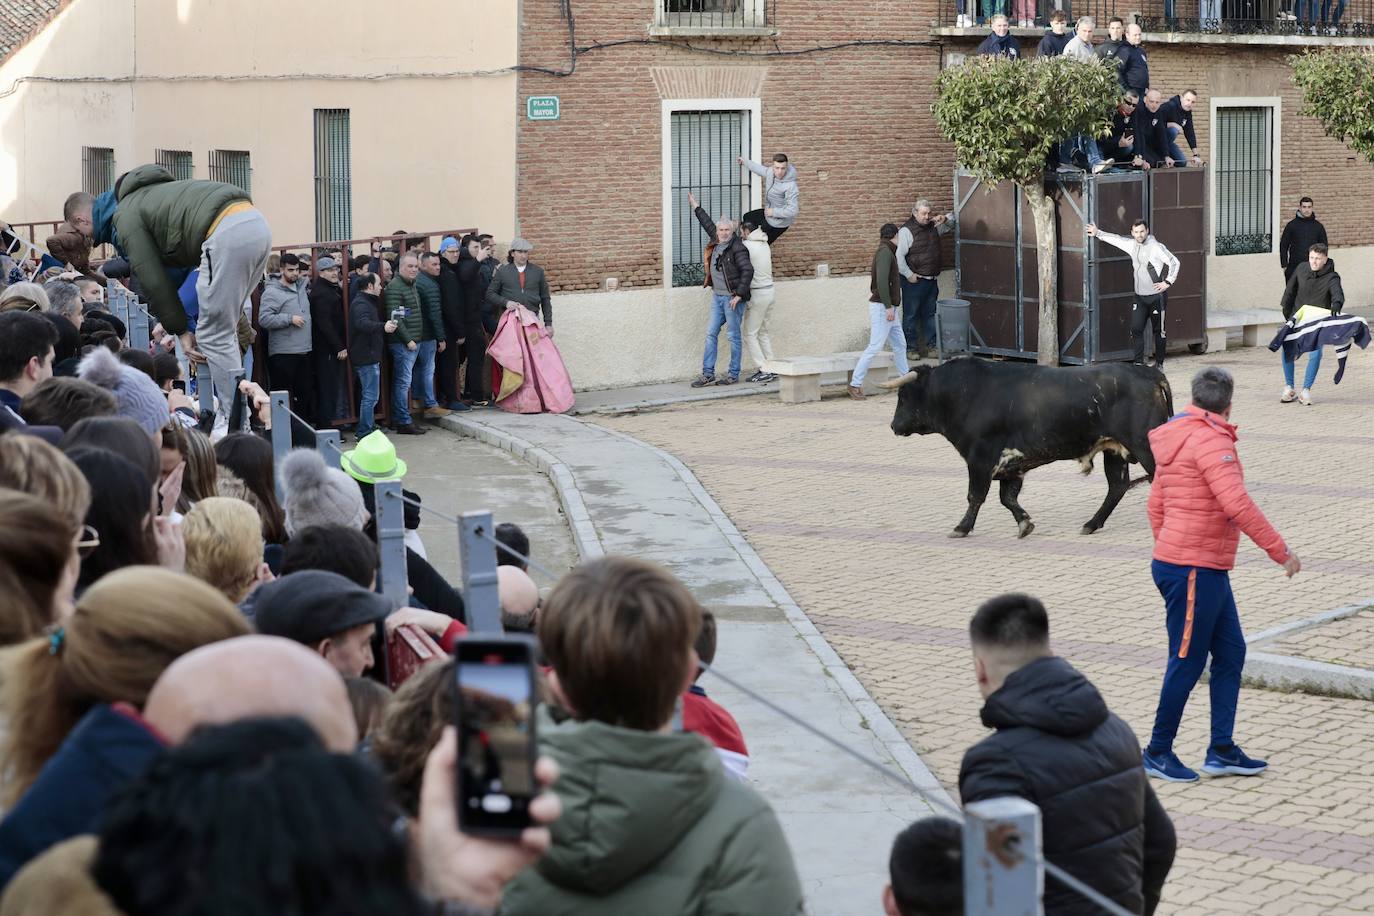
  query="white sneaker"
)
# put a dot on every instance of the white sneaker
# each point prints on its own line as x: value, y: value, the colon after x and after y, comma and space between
x: 1305, y: 398
x: 1288, y: 396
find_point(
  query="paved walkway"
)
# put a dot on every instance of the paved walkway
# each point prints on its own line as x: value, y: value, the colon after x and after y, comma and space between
x: 853, y: 522
x: 622, y: 496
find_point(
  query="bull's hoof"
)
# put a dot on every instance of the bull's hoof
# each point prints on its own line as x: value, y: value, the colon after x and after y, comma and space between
x: 1024, y: 528
x: 956, y: 533
x: 1089, y: 529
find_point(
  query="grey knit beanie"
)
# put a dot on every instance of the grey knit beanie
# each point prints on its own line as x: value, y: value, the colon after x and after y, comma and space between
x: 317, y: 495
x: 138, y: 396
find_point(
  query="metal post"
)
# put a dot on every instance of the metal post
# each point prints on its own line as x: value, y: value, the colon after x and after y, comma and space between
x: 1004, y: 864
x: 391, y: 541
x: 138, y: 326
x: 281, y: 431
x: 481, y: 592
x: 119, y: 304
x: 330, y: 444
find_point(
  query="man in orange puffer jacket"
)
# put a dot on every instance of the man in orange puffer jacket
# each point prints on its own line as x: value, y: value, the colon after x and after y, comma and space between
x: 1198, y: 507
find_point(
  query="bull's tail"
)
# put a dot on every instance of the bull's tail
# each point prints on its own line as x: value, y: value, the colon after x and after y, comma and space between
x: 1137, y: 482
x: 1164, y: 396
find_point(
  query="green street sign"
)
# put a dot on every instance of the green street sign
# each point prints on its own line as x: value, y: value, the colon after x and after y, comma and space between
x: 541, y: 108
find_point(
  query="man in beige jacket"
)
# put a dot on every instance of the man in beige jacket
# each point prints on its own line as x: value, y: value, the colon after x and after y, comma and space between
x: 756, y: 337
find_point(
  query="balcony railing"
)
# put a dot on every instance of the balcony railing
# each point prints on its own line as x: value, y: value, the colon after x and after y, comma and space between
x: 710, y: 17
x: 1332, y: 18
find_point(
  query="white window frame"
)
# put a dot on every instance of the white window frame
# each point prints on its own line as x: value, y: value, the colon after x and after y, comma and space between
x: 755, y: 109
x: 1275, y: 103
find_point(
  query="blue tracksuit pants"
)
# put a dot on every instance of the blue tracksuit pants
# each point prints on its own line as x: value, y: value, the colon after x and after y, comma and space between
x: 1202, y: 620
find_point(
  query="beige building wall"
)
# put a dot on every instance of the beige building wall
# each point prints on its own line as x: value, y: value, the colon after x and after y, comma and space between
x: 432, y: 135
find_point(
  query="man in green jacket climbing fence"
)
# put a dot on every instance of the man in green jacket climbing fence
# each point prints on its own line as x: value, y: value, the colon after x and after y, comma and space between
x: 651, y: 823
x: 167, y: 228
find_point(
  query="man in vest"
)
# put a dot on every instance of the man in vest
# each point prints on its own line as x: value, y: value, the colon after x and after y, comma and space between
x: 918, y: 260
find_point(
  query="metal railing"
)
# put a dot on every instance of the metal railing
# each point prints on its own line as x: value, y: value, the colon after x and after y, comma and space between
x: 1333, y: 18
x: 711, y: 14
x: 36, y: 234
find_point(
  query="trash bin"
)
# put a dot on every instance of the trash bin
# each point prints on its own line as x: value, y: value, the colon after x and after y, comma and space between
x: 951, y: 326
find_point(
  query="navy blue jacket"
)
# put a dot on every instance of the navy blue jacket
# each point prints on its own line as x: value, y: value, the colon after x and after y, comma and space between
x: 108, y: 748
x: 1052, y: 45
x: 1151, y: 134
x: 1173, y: 113
x: 1135, y: 69
x: 994, y: 45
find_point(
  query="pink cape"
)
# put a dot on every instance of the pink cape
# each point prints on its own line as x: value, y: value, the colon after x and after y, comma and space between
x: 527, y: 375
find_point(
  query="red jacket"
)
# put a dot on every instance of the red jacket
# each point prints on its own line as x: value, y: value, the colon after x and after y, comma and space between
x: 1198, y: 505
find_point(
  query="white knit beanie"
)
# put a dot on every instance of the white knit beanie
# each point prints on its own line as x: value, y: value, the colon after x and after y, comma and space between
x: 317, y: 495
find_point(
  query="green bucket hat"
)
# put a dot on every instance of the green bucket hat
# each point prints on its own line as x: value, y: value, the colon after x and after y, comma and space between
x: 374, y: 460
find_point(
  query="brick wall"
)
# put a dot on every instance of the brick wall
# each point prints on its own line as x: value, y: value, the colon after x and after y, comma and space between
x: 856, y: 122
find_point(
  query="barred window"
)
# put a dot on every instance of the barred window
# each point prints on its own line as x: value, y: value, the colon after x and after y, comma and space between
x: 713, y: 14
x: 1244, y: 175
x: 705, y: 145
x: 333, y: 175
x: 232, y: 166
x: 176, y: 161
x: 97, y: 169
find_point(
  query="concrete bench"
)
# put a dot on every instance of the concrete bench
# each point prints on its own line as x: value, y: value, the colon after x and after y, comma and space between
x: 799, y: 378
x: 1258, y: 327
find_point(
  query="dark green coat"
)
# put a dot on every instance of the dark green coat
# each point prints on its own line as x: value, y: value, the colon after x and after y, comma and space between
x: 161, y: 223
x: 651, y: 824
x: 402, y: 295
x: 431, y: 307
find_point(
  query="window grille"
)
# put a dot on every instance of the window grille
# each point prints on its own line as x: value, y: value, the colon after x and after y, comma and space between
x: 97, y: 169
x: 333, y: 175
x: 1244, y: 176
x: 232, y: 166
x: 705, y: 145
x: 713, y: 14
x: 176, y: 161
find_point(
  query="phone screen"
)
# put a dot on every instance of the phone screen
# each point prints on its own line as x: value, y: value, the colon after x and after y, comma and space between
x: 496, y: 744
x: 179, y: 385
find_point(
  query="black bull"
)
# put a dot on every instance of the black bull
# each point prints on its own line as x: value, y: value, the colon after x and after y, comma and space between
x: 1007, y: 418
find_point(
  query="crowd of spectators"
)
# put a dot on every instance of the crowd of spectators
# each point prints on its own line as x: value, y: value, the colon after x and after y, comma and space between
x: 1145, y: 126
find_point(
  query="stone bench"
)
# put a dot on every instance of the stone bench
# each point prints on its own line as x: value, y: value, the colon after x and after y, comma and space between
x: 1258, y: 327
x: 799, y: 378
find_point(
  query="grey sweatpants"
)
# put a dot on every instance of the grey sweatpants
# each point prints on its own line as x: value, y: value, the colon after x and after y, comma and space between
x: 232, y: 261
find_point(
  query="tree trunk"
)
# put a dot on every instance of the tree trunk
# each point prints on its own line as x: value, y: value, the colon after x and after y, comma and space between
x: 1047, y: 257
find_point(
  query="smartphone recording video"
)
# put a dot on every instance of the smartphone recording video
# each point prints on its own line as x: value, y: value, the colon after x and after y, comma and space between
x: 496, y: 740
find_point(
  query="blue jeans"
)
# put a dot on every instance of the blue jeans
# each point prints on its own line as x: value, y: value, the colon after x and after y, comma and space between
x: 1339, y: 9
x: 369, y: 383
x: 1202, y: 620
x: 731, y: 318
x: 1314, y: 361
x: 422, y: 380
x: 918, y: 311
x: 1176, y: 151
x: 881, y: 331
x: 1080, y: 143
x: 402, y: 366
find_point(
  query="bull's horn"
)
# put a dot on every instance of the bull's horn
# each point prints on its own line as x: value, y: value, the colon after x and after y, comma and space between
x: 898, y: 382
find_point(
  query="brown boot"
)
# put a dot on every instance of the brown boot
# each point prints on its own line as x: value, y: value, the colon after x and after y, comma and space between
x: 855, y: 393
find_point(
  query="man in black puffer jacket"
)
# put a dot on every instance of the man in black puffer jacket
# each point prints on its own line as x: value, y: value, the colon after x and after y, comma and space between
x: 1058, y: 746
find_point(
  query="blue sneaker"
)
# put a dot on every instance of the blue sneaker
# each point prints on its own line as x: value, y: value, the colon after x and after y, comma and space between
x: 1232, y: 762
x: 458, y: 406
x: 1168, y: 767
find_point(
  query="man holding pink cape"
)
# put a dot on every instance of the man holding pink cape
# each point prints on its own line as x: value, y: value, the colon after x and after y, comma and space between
x: 528, y: 375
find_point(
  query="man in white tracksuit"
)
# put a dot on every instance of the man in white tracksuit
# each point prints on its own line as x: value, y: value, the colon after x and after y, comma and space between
x: 1155, y: 270
x: 756, y: 338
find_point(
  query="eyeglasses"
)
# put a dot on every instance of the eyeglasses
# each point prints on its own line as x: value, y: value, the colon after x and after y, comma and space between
x: 90, y: 540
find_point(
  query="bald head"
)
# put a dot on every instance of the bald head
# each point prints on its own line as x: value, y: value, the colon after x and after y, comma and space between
x: 252, y: 676
x: 519, y: 598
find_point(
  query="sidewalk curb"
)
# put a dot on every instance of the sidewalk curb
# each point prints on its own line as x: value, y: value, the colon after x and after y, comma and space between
x: 878, y: 722
x: 714, y: 394
x: 1295, y: 626
x: 589, y: 546
x: 584, y: 534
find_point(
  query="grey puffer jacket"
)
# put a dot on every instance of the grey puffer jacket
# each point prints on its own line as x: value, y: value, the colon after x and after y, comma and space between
x: 279, y: 304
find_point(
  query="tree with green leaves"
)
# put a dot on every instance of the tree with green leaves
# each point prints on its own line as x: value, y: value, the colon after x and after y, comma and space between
x: 1005, y: 117
x: 1337, y: 86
